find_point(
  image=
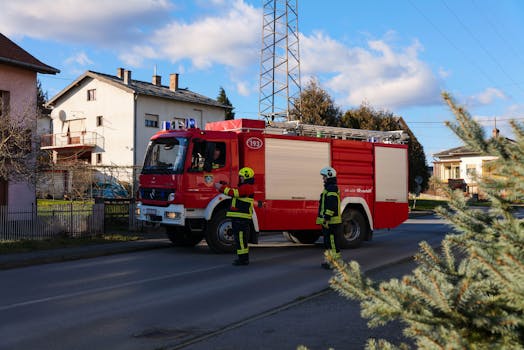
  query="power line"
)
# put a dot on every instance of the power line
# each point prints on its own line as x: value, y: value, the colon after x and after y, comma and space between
x: 452, y: 44
x: 479, y: 43
x: 483, y: 119
x: 497, y: 32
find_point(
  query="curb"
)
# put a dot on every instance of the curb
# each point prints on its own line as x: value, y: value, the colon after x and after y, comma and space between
x: 52, y: 256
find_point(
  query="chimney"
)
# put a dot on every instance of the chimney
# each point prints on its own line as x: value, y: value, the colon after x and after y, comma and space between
x: 157, y: 80
x: 495, y: 133
x: 120, y: 73
x: 127, y: 77
x: 173, y: 82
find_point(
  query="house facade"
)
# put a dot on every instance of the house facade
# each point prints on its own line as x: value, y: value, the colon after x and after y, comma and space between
x: 460, y: 166
x: 18, y: 91
x: 106, y: 120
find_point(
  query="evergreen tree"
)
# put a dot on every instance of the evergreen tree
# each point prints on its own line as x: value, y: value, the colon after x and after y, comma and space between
x: 224, y: 100
x: 41, y: 99
x: 471, y: 295
x: 316, y: 106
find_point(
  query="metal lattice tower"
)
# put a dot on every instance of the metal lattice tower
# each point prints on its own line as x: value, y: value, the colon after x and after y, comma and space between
x: 279, y: 60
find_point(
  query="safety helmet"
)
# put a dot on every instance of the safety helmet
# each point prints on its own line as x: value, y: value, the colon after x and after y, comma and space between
x: 247, y: 173
x: 328, y: 172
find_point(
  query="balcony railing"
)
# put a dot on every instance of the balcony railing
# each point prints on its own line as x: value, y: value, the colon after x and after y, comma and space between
x: 71, y: 139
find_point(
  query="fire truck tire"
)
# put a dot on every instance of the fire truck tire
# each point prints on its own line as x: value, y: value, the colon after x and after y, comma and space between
x: 182, y: 236
x: 304, y: 237
x: 355, y: 228
x: 287, y: 235
x: 219, y: 235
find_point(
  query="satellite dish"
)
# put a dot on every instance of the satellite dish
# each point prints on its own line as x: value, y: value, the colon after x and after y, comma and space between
x: 62, y: 115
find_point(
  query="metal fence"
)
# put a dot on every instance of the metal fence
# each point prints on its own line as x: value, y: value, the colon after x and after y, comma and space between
x: 119, y: 215
x: 64, y: 220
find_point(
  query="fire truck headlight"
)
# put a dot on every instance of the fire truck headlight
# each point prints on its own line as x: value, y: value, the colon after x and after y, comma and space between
x: 171, y: 197
x: 172, y: 215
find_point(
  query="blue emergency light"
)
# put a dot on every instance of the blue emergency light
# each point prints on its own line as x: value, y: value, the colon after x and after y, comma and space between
x: 190, y: 123
x: 166, y: 125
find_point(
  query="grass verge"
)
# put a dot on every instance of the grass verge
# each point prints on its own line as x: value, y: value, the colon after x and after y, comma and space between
x: 23, y: 246
x: 426, y: 204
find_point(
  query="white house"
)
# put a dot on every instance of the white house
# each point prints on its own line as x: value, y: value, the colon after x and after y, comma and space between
x: 18, y: 96
x: 107, y: 120
x: 460, y: 165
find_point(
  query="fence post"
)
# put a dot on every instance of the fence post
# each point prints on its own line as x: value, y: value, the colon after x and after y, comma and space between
x: 33, y: 233
x: 71, y: 219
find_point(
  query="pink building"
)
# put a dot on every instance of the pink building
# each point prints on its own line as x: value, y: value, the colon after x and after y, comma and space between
x: 18, y: 77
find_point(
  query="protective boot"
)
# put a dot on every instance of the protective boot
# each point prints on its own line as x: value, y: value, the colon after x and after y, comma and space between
x: 242, y: 260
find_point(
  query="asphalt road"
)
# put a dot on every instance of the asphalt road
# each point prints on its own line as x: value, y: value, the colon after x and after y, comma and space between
x: 189, y: 298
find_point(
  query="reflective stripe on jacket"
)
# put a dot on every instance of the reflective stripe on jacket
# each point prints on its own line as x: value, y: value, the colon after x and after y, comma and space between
x: 241, y: 202
x: 329, y: 206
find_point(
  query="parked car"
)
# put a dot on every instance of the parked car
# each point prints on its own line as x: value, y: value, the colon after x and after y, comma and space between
x: 108, y: 190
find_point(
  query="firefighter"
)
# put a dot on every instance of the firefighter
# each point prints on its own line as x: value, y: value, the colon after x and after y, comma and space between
x: 329, y: 212
x: 241, y: 212
x: 217, y: 162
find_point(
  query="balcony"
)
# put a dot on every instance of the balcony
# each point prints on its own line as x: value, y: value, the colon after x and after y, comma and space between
x: 72, y: 140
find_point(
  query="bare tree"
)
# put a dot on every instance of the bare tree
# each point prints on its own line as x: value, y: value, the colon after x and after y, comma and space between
x: 17, y: 142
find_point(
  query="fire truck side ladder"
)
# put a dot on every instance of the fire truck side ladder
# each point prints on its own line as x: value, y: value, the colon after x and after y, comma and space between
x: 299, y: 129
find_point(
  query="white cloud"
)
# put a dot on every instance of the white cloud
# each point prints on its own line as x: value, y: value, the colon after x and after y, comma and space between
x: 230, y: 38
x: 443, y: 73
x: 487, y: 97
x: 243, y: 88
x: 103, y: 23
x: 379, y: 74
x: 225, y: 33
x: 135, y: 56
x: 80, y: 59
x: 501, y: 121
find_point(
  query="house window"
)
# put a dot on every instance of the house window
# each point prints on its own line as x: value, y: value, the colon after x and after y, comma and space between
x: 4, y: 103
x: 99, y: 120
x: 91, y: 95
x: 455, y: 172
x: 471, y: 170
x: 99, y: 158
x: 151, y: 121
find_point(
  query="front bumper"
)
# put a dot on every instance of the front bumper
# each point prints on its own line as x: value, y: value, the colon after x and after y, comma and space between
x: 174, y: 214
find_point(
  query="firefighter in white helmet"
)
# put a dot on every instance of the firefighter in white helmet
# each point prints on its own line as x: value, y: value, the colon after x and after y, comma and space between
x: 329, y: 212
x: 241, y: 211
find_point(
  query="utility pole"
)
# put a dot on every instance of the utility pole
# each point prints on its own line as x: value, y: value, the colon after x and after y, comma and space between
x: 279, y: 61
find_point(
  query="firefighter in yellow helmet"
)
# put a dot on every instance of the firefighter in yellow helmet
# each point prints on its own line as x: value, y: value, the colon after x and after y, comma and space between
x: 329, y: 212
x: 241, y: 211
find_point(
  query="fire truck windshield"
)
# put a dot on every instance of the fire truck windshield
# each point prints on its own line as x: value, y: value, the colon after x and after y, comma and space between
x: 165, y: 156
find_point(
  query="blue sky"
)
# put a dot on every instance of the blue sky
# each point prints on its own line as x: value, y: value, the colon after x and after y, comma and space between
x: 394, y: 55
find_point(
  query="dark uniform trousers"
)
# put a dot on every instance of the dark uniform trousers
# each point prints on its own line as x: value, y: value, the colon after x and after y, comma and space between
x: 241, y: 231
x: 331, y: 238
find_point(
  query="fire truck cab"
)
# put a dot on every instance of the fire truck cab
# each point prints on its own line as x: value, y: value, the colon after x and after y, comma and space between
x: 181, y: 166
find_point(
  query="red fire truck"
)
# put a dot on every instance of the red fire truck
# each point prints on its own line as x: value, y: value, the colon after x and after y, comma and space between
x: 176, y: 183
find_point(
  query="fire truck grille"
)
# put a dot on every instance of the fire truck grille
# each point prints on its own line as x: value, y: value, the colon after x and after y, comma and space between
x: 155, y: 194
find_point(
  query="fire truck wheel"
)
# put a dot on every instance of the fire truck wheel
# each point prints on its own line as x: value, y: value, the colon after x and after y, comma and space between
x: 304, y: 237
x: 219, y: 235
x: 182, y: 236
x: 354, y: 228
x: 289, y: 236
